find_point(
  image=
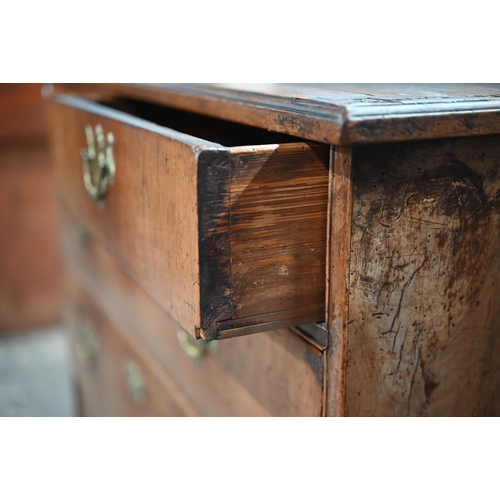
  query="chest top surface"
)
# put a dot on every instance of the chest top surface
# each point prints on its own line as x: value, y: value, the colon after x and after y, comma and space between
x: 332, y: 113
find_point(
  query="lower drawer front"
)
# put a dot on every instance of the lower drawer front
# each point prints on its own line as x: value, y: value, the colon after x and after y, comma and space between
x: 114, y: 378
x: 268, y: 374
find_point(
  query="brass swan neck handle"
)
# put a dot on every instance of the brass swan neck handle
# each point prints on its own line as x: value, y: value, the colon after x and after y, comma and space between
x: 99, y: 169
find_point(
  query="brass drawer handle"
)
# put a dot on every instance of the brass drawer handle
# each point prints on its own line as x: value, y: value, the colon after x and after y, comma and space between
x: 99, y: 167
x: 135, y: 381
x: 196, y: 349
x: 87, y: 348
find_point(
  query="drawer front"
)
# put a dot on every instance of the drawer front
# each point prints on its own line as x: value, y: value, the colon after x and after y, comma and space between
x: 226, y: 240
x: 270, y: 374
x: 116, y: 377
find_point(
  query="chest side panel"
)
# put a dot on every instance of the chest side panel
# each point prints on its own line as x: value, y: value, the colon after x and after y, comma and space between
x: 424, y: 332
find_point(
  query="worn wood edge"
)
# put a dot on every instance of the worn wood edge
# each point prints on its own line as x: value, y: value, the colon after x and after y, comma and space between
x: 214, y: 178
x: 414, y: 118
x: 322, y: 349
x: 308, y: 338
x: 246, y: 326
x: 324, y: 396
x: 367, y: 129
x: 286, y: 115
x: 316, y: 331
x: 338, y: 277
x: 88, y: 106
x: 355, y: 123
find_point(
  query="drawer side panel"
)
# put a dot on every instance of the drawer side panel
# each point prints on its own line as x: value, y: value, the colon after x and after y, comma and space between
x: 263, y: 237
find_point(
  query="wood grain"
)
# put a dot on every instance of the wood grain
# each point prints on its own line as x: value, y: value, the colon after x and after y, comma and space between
x: 337, y: 114
x: 340, y: 222
x: 150, y: 220
x: 103, y: 385
x: 227, y: 240
x: 424, y: 301
x: 412, y: 293
x: 273, y: 373
x: 266, y: 234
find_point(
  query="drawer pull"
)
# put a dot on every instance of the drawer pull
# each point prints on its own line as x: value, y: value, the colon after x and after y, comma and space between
x: 87, y: 349
x: 195, y: 349
x: 99, y: 168
x: 136, y: 383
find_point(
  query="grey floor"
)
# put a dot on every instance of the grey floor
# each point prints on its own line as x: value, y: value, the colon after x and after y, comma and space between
x: 35, y: 374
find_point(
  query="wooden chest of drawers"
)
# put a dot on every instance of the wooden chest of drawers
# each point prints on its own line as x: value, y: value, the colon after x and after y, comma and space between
x: 354, y: 232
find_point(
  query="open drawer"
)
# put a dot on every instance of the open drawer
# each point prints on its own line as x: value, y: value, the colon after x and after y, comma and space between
x: 229, y: 240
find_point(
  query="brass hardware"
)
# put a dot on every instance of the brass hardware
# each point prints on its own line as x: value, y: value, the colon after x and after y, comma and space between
x: 196, y: 349
x: 99, y: 168
x: 87, y: 348
x: 136, y: 384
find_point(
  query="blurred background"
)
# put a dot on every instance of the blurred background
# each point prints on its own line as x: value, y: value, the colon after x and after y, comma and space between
x: 35, y: 368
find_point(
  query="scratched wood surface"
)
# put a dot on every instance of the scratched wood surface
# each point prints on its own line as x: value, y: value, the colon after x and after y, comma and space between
x: 336, y: 114
x: 339, y: 223
x: 423, y: 336
x: 230, y: 241
x: 267, y: 234
x: 276, y: 373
